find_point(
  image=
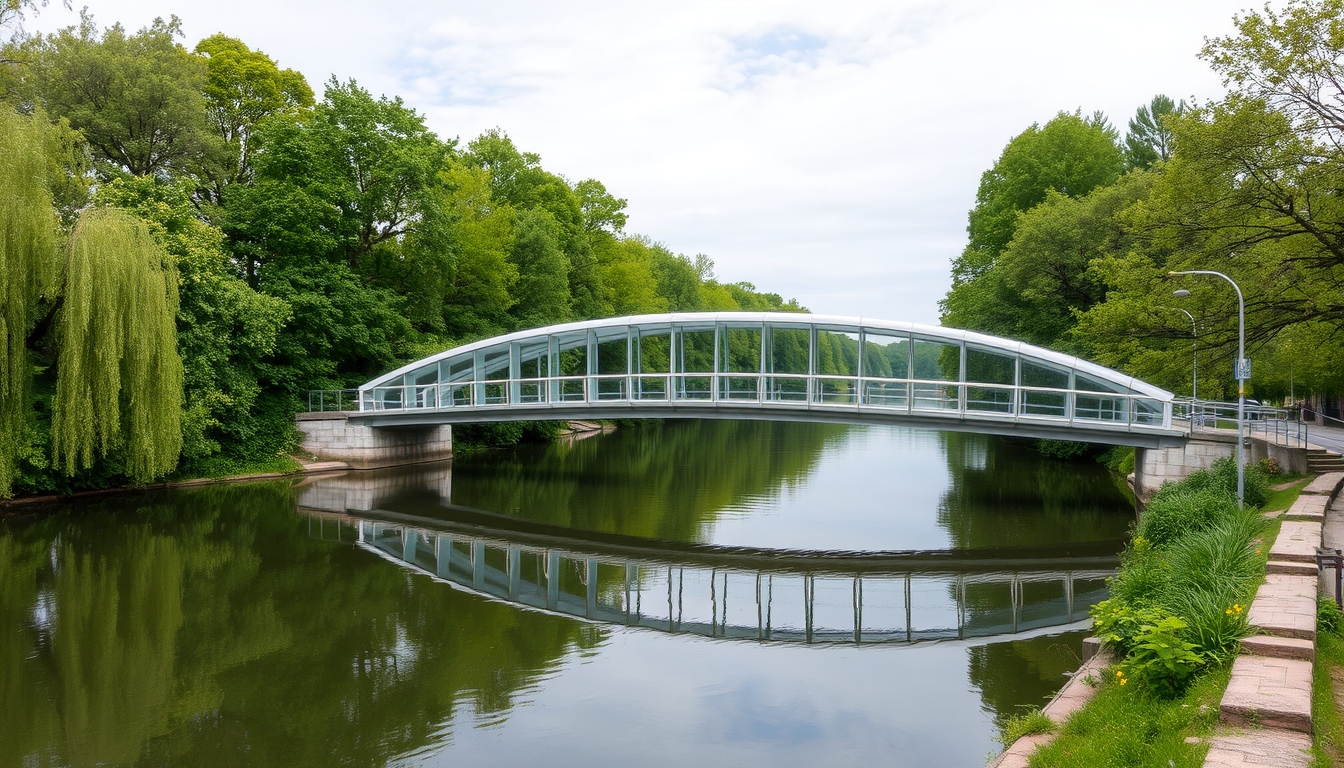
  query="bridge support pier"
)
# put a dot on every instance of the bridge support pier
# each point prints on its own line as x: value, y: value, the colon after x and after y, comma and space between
x: 333, y: 437
x: 1155, y: 466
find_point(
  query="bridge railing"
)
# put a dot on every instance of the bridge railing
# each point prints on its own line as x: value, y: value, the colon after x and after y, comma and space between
x: 781, y: 390
x: 320, y: 400
x: 1276, y: 424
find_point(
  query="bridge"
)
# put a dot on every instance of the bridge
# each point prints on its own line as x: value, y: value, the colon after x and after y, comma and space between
x: 772, y: 366
x: 737, y: 593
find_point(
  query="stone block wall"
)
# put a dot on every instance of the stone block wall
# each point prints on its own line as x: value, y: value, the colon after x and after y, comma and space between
x: 333, y: 437
x: 364, y: 491
x: 1155, y: 466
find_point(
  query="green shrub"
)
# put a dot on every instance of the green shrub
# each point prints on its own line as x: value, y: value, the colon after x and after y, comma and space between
x: 1215, y: 626
x: 1329, y: 618
x: 1119, y: 625
x: 1222, y: 476
x: 1218, y: 560
x: 1161, y: 658
x: 1061, y: 449
x: 1178, y: 510
x: 1142, y: 575
x: 1118, y: 459
x: 1029, y: 723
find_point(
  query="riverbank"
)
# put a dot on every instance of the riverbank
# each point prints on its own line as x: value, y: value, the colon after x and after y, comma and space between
x: 1175, y: 641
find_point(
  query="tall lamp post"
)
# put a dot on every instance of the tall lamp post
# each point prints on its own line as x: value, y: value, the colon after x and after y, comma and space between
x: 1194, y: 347
x: 1242, y: 370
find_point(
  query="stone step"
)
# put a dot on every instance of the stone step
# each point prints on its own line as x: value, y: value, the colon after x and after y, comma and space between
x: 1297, y: 542
x: 1279, y: 647
x: 1291, y: 568
x: 1285, y: 606
x: 1325, y: 485
x: 1259, y: 747
x: 1269, y: 692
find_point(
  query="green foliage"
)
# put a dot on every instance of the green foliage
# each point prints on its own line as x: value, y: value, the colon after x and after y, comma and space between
x: 28, y: 267
x: 1120, y: 626
x: 1161, y: 658
x: 1143, y: 573
x: 1118, y: 459
x: 1180, y: 509
x: 1149, y: 139
x: 1030, y: 723
x: 119, y: 381
x: 136, y: 98
x: 1062, y: 449
x: 1329, y: 618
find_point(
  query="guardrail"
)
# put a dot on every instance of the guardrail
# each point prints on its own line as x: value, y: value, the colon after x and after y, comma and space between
x: 709, y: 389
x: 320, y: 400
x: 1275, y: 424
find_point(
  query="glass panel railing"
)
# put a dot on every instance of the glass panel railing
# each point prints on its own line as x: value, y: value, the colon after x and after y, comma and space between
x: 650, y: 388
x: 837, y: 391
x: 886, y: 394
x: 786, y: 389
x: 1037, y: 403
x: 936, y: 397
x: 739, y: 387
x: 1090, y: 407
x: 989, y: 399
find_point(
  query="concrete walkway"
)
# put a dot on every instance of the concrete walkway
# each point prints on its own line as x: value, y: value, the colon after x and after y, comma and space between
x: 1268, y: 699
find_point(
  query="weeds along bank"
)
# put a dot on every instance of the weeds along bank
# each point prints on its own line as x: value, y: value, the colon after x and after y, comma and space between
x: 1176, y: 614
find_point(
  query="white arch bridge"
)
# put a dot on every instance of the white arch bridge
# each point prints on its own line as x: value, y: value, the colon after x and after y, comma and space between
x: 773, y: 366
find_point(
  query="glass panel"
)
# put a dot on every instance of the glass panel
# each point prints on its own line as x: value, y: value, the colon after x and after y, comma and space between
x: 989, y: 399
x: 695, y: 355
x: 655, y: 352
x: 1041, y: 375
x: 837, y: 353
x: 841, y: 391
x: 427, y: 375
x: 789, y: 350
x: 786, y: 388
x: 886, y: 356
x: 1092, y: 384
x: 741, y: 350
x: 612, y: 360
x: 937, y: 361
x: 572, y: 361
x: 533, y: 360
x: 935, y: 397
x: 986, y: 367
x: 885, y: 393
x: 1044, y: 403
x: 1147, y: 412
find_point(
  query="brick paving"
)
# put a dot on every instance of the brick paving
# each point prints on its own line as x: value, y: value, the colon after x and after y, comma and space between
x: 1269, y: 692
x: 1280, y: 647
x: 1308, y: 508
x: 1285, y: 606
x: 1297, y: 542
x: 1259, y: 747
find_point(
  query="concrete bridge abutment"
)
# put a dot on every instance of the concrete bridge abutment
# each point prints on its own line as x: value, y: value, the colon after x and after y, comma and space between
x: 1155, y: 466
x: 333, y: 436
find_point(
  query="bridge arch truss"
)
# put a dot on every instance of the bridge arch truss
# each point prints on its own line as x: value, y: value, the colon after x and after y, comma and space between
x: 774, y: 366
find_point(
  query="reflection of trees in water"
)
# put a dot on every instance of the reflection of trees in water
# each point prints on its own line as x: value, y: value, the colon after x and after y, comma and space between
x: 205, y: 627
x: 661, y: 480
x: 1023, y: 673
x: 1003, y: 495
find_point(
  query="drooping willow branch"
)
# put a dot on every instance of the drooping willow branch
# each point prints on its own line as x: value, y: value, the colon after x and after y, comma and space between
x: 119, y: 377
x: 29, y: 237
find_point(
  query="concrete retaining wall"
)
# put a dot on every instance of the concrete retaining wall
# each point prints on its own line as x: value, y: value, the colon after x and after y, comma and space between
x: 1155, y: 466
x: 332, y: 437
x: 1290, y: 460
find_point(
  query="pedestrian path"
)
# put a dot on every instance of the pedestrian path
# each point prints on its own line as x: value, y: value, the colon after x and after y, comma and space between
x: 1267, y: 704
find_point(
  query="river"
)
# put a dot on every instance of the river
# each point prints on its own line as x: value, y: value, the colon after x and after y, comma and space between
x: 667, y: 594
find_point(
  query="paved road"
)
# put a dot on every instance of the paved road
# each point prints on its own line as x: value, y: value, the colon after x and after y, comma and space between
x: 1331, y: 438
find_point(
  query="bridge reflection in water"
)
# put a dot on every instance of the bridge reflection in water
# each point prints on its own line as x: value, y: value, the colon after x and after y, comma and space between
x: 727, y: 592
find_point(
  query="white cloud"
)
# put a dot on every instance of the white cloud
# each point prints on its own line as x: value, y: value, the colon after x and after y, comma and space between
x: 828, y: 152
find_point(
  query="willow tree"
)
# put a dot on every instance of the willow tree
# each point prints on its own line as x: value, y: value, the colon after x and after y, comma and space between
x: 29, y: 236
x: 119, y: 377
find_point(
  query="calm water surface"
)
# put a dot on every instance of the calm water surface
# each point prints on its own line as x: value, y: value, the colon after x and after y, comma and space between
x: 690, y: 593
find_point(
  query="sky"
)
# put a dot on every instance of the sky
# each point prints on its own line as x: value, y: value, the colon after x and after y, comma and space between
x: 828, y: 152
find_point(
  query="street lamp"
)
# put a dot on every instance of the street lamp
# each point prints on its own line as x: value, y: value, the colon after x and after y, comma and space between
x: 1181, y: 293
x: 1242, y: 371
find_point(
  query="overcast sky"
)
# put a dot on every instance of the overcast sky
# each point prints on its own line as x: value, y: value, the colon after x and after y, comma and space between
x: 825, y: 151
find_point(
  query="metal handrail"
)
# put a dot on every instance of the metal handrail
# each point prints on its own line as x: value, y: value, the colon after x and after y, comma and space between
x: 321, y: 400
x: 809, y: 390
x: 1206, y: 415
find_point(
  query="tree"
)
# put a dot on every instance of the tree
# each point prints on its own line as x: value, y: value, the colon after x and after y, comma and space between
x: 1071, y: 155
x: 1149, y: 139
x: 541, y: 296
x: 119, y: 379
x: 29, y: 232
x: 243, y: 88
x: 137, y: 99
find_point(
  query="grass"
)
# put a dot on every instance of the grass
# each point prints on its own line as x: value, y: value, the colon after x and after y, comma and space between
x: 1279, y: 501
x: 1030, y: 723
x: 1127, y: 727
x: 1328, y: 736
